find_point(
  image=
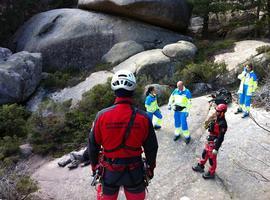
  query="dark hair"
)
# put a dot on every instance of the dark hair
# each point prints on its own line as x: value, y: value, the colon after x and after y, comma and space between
x: 123, y: 93
x: 250, y: 65
x: 149, y: 90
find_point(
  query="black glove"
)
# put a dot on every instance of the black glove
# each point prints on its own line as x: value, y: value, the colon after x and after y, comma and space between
x: 211, y: 126
x: 150, y: 173
x: 94, y: 169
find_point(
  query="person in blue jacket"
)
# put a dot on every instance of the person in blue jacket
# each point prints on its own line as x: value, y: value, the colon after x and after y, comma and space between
x: 152, y: 107
x: 246, y: 90
x: 180, y: 102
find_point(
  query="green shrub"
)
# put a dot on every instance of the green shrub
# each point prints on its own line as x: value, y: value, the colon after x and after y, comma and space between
x: 15, y: 182
x: 207, y: 48
x: 56, y: 80
x: 164, y: 98
x: 99, y: 97
x: 139, y: 96
x: 144, y: 80
x: 204, y: 72
x: 55, y: 129
x: 102, y: 96
x: 13, y: 120
x: 262, y: 70
x: 263, y: 49
x: 25, y: 185
x: 65, y: 78
x: 9, y: 149
x: 103, y: 66
x: 47, y: 133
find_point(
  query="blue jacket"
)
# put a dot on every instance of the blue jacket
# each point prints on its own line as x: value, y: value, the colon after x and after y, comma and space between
x: 249, y: 79
x: 151, y: 104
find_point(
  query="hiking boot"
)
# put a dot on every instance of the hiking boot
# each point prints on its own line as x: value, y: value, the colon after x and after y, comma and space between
x: 176, y: 137
x: 187, y: 140
x: 246, y: 114
x: 157, y: 127
x: 239, y: 110
x: 198, y: 168
x: 207, y: 175
x: 63, y: 163
x: 74, y: 164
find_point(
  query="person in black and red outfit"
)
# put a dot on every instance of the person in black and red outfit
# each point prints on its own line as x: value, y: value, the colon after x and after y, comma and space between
x: 122, y: 133
x: 217, y: 129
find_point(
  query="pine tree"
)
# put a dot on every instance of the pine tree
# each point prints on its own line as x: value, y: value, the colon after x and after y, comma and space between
x: 259, y: 8
x: 204, y: 8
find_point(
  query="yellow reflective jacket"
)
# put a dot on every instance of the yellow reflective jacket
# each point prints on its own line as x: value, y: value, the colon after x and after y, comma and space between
x: 181, y: 98
x: 151, y: 104
x: 249, y: 79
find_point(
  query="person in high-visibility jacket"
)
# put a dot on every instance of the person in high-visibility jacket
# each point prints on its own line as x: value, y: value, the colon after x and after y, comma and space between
x: 246, y: 90
x: 180, y: 102
x: 152, y: 107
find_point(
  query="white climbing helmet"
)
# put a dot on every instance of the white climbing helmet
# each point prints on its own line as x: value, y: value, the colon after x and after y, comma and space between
x: 123, y: 79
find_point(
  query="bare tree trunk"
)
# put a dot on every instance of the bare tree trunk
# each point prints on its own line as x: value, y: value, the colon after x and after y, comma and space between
x: 268, y: 16
x: 257, y: 30
x: 205, y: 25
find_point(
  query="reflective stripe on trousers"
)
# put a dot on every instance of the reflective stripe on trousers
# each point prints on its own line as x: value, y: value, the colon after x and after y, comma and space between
x: 245, y: 100
x: 180, y: 121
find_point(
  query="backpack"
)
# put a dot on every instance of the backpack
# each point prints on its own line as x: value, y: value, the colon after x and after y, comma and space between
x: 221, y: 96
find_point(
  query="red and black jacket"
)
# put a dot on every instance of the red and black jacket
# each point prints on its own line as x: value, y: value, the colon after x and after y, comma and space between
x: 109, y: 129
x: 217, y: 131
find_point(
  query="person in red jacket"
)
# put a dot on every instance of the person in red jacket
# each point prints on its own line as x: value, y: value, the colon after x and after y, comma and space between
x: 217, y: 129
x: 119, y: 136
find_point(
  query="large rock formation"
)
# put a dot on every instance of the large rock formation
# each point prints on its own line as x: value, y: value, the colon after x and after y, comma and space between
x: 19, y: 76
x: 152, y: 63
x: 159, y: 63
x: 181, y: 50
x: 75, y: 93
x: 75, y: 38
x: 121, y: 51
x: 171, y: 14
x: 15, y: 12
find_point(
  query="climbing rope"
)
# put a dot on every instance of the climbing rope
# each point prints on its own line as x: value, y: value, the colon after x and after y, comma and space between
x: 253, y: 119
x: 235, y: 99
